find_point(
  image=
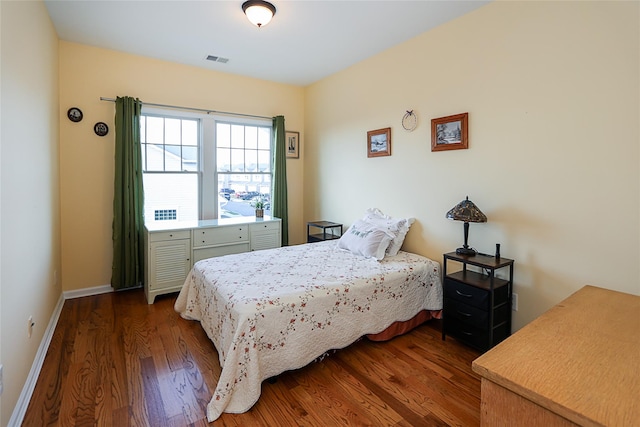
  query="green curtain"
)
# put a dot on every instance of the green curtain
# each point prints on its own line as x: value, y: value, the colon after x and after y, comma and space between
x: 127, y: 270
x: 279, y: 206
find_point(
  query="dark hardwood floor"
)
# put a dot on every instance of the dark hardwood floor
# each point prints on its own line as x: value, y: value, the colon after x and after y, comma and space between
x: 114, y: 360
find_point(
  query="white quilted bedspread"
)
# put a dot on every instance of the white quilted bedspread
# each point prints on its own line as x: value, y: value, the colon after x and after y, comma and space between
x: 275, y: 310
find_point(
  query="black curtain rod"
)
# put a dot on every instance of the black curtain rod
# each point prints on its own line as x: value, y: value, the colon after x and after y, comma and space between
x: 176, y: 107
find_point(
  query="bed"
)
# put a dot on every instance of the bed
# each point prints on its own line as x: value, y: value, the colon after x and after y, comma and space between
x: 280, y: 309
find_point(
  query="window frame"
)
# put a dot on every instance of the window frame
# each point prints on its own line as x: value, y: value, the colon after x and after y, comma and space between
x: 207, y: 171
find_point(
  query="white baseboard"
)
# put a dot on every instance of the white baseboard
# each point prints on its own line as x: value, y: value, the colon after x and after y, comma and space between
x: 30, y: 384
x: 20, y: 410
x: 78, y: 293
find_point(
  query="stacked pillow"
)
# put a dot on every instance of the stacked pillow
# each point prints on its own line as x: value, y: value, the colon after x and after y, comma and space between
x: 366, y: 239
x: 399, y: 227
x: 376, y: 235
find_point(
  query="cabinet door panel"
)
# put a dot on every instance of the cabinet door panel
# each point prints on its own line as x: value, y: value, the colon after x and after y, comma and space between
x: 169, y: 262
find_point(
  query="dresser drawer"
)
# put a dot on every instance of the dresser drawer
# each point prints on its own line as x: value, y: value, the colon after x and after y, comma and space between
x: 215, y: 251
x: 160, y: 236
x: 265, y: 226
x: 220, y: 235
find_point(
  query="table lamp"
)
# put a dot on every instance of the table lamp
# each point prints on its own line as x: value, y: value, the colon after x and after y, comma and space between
x: 468, y: 212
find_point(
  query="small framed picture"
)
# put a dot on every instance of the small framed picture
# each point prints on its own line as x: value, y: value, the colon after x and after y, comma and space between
x: 379, y: 142
x: 292, y: 139
x: 450, y: 133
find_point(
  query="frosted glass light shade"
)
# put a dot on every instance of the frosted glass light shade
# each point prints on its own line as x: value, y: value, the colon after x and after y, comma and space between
x: 259, y: 12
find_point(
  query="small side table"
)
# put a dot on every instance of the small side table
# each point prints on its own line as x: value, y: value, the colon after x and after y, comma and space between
x: 477, y: 305
x: 323, y: 230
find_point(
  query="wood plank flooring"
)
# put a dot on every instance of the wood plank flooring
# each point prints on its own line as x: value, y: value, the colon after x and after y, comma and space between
x: 114, y: 360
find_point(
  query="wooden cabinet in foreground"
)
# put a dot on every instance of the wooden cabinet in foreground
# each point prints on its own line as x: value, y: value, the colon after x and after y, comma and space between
x: 577, y: 364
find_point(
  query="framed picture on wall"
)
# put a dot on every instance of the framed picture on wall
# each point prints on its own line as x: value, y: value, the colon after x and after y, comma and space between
x: 292, y: 140
x: 450, y: 133
x: 379, y: 142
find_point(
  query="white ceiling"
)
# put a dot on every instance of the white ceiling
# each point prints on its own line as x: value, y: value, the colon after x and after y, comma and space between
x: 306, y: 40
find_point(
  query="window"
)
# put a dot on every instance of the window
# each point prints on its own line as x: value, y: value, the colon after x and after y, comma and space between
x: 243, y: 167
x: 170, y: 164
x: 197, y: 166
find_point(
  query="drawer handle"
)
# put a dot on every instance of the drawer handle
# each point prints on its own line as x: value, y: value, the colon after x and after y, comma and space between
x: 464, y: 314
x: 463, y: 295
x: 467, y: 333
x: 170, y: 235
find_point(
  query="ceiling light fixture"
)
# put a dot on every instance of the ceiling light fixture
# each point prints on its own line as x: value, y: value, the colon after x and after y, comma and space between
x: 259, y: 12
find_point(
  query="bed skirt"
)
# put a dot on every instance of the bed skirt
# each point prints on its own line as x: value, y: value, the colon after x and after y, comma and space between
x: 400, y: 328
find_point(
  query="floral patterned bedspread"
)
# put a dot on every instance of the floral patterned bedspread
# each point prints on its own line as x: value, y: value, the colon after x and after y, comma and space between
x: 279, y: 309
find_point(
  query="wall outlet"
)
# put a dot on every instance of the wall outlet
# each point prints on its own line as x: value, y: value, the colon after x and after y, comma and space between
x: 1, y: 379
x: 30, y: 326
x: 514, y: 302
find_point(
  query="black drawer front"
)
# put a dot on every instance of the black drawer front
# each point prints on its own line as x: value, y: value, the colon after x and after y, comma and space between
x: 473, y: 336
x: 468, y: 334
x: 474, y: 296
x: 467, y: 294
x: 473, y: 316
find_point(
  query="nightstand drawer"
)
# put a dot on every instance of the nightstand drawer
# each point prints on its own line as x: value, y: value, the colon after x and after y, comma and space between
x: 467, y: 314
x: 470, y: 295
x: 476, y: 337
x: 475, y: 296
x: 473, y: 336
x: 473, y: 316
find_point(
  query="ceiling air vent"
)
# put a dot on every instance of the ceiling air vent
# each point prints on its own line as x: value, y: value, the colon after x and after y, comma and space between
x: 217, y: 59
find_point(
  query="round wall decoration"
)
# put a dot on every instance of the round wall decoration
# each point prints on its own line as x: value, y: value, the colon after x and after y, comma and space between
x: 74, y: 114
x: 101, y: 129
x: 409, y: 121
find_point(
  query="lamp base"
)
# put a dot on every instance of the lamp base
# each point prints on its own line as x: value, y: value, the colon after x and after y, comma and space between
x: 466, y: 251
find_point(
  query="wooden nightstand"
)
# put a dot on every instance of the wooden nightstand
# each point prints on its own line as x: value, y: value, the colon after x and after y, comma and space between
x: 329, y: 231
x: 477, y: 304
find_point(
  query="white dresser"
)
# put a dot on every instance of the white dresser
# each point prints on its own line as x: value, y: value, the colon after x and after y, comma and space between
x: 172, y: 248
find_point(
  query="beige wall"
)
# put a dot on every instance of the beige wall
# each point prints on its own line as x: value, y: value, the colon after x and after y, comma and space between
x: 86, y: 160
x: 30, y: 244
x: 552, y: 91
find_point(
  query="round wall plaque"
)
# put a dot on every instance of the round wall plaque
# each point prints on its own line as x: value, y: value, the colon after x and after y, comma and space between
x: 101, y: 129
x: 74, y: 114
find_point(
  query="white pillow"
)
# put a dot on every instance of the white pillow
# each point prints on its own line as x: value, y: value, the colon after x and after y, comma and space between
x: 368, y: 240
x: 399, y: 227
